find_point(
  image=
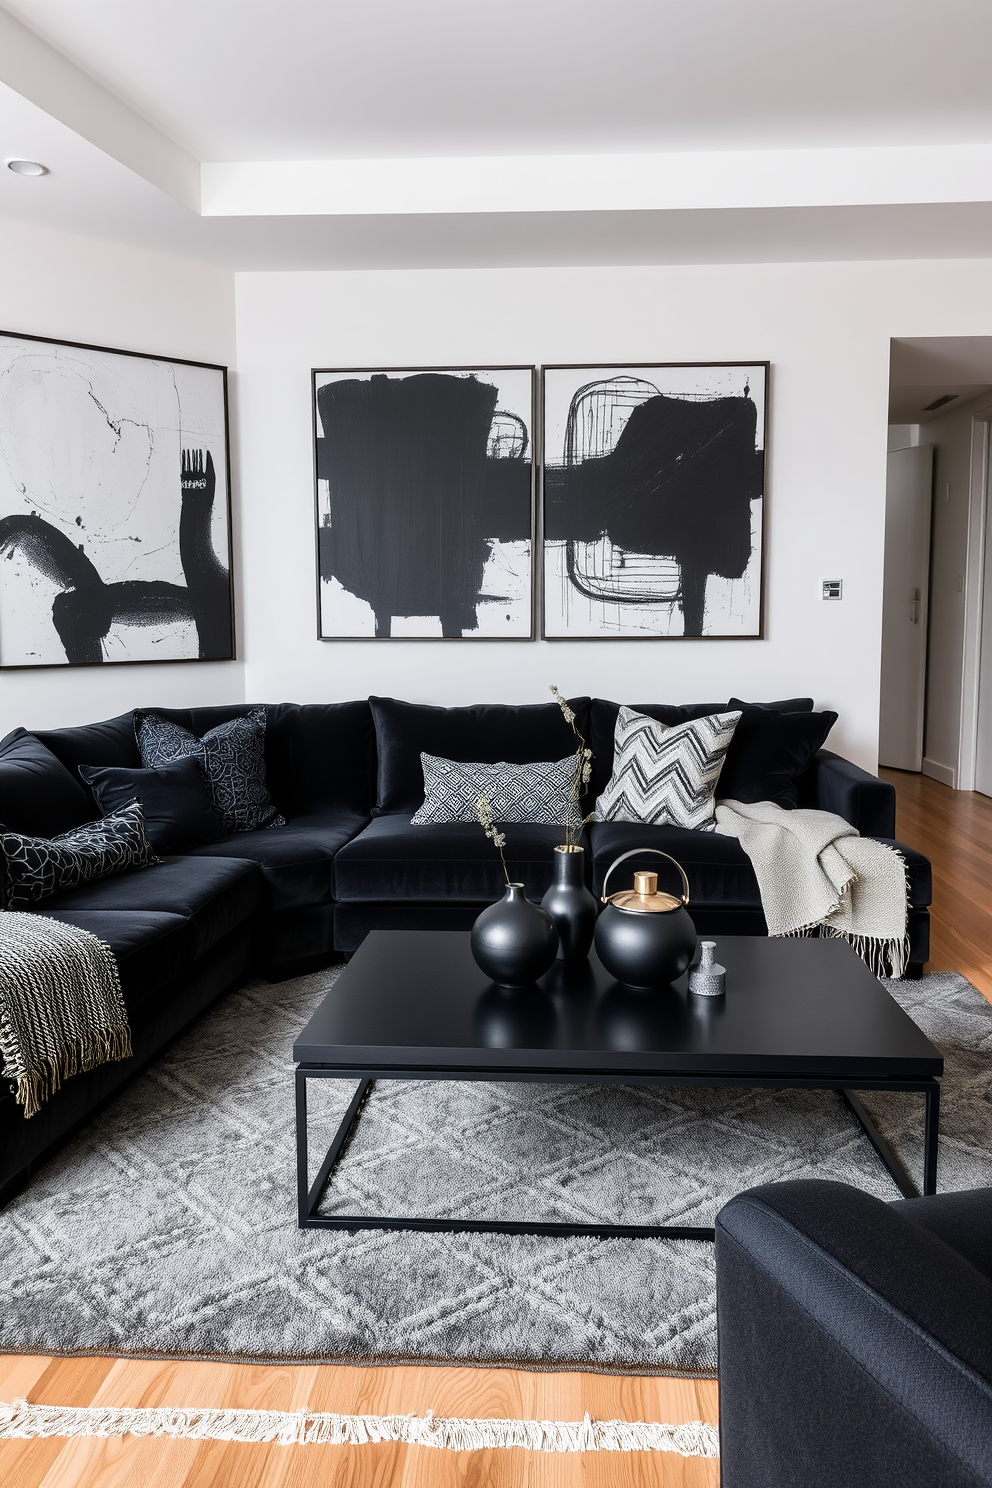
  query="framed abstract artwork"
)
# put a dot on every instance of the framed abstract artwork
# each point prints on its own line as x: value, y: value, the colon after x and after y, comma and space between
x: 115, y: 514
x: 653, y: 484
x: 425, y: 503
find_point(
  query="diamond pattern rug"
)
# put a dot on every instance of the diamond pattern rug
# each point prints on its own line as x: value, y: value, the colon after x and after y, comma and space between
x: 168, y: 1227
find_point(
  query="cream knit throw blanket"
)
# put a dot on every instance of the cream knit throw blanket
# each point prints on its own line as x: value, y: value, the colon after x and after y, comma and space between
x: 61, y: 1009
x: 816, y: 873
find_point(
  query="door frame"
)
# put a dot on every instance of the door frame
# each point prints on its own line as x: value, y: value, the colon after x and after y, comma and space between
x: 974, y: 585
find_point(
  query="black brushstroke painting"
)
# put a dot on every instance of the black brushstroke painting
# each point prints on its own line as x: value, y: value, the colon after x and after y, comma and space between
x: 423, y: 481
x: 667, y: 505
x: 114, y: 507
x: 87, y: 607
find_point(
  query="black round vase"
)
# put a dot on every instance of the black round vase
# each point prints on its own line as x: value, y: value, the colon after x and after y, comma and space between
x: 571, y: 905
x: 514, y: 941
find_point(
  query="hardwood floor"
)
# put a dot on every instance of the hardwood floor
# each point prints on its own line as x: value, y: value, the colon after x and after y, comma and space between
x: 953, y: 828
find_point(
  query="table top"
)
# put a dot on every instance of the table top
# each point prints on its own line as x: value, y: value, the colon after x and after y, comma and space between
x: 414, y: 1000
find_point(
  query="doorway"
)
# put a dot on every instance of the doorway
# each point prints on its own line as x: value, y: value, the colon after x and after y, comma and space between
x: 935, y: 713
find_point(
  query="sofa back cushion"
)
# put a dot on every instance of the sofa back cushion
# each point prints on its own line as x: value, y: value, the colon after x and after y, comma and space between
x: 763, y: 756
x: 111, y: 742
x: 770, y: 751
x: 485, y: 733
x: 38, y: 796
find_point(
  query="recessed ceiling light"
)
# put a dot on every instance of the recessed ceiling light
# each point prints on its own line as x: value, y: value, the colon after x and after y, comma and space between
x: 939, y: 402
x: 27, y: 167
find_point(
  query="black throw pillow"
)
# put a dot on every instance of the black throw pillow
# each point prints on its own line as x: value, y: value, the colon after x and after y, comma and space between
x: 232, y: 756
x: 36, y: 868
x: 486, y: 733
x: 174, y: 798
x: 785, y: 705
x: 768, y: 753
x: 37, y: 793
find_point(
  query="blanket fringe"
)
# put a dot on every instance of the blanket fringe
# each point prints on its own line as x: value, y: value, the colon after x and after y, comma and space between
x: 21, y: 1421
x: 884, y: 958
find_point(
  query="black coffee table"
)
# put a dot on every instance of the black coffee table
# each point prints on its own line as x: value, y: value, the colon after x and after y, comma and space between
x: 413, y: 1005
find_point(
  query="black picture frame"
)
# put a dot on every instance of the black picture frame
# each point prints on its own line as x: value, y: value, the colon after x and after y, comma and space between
x: 520, y: 612
x: 584, y: 501
x: 121, y: 595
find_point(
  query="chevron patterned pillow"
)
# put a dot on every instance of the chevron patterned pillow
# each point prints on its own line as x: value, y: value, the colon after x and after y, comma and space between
x: 666, y: 776
x: 516, y: 793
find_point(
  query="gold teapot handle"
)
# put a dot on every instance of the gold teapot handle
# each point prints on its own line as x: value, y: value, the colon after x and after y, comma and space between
x: 636, y: 852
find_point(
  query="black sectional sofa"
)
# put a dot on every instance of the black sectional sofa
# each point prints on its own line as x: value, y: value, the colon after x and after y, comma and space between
x: 347, y: 777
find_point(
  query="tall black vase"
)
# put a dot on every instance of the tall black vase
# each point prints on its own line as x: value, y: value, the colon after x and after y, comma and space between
x: 514, y: 941
x: 571, y: 905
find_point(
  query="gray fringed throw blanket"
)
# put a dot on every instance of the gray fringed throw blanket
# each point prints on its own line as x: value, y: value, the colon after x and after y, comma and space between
x: 816, y: 874
x: 61, y: 1009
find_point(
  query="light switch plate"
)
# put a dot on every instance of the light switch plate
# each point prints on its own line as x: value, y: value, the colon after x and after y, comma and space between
x: 833, y: 589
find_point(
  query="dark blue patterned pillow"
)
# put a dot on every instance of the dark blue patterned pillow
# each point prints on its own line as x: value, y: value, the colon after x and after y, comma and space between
x: 232, y: 757
x: 36, y: 868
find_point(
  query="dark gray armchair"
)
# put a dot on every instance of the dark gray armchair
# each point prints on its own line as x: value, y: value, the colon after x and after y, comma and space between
x: 855, y: 1339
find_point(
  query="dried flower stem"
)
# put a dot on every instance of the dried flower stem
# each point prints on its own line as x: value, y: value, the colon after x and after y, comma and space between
x: 484, y: 812
x: 583, y: 772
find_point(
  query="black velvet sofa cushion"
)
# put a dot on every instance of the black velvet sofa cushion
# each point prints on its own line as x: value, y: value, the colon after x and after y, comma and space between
x: 769, y: 752
x: 110, y: 742
x: 485, y: 732
x: 454, y: 863
x: 318, y: 756
x: 38, y: 795
x: 151, y: 946
x: 175, y: 801
x: 717, y: 867
x: 216, y: 895
x: 772, y: 745
x: 962, y: 1220
x: 295, y: 859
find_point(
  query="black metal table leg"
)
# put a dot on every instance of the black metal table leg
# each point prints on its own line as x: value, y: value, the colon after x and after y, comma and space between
x: 886, y: 1152
x: 930, y: 1139
x: 308, y: 1195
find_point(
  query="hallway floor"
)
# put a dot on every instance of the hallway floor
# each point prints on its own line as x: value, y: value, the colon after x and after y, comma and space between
x: 954, y: 829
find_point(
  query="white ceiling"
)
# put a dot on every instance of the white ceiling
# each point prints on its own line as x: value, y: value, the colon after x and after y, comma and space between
x: 925, y: 368
x: 152, y: 89
x: 315, y: 79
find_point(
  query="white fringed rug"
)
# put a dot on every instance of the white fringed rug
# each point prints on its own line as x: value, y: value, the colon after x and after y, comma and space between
x: 168, y: 1228
x: 21, y: 1422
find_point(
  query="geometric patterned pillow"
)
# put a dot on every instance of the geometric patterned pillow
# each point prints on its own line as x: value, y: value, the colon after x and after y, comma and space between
x: 35, y: 868
x: 666, y: 776
x: 232, y: 757
x: 516, y: 793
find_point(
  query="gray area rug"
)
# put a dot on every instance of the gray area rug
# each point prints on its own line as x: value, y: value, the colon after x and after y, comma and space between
x: 169, y: 1226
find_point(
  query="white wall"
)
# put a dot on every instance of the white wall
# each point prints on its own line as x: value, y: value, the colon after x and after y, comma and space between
x: 81, y: 289
x: 824, y: 327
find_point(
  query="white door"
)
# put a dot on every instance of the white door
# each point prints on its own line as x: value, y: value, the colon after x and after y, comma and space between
x: 904, y: 607
x: 983, y: 750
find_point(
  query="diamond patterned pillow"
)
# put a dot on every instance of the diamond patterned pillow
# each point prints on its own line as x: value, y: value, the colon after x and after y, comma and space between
x: 232, y: 757
x: 666, y: 776
x: 36, y: 868
x: 516, y: 793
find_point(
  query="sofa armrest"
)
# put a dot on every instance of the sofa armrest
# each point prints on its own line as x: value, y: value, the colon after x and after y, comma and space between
x: 836, y: 784
x: 855, y: 1346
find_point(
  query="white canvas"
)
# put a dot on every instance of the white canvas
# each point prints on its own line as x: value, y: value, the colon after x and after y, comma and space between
x: 91, y: 452
x: 597, y: 584
x: 402, y: 551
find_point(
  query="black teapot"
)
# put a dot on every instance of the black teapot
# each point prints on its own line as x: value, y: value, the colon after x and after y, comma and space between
x: 643, y: 937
